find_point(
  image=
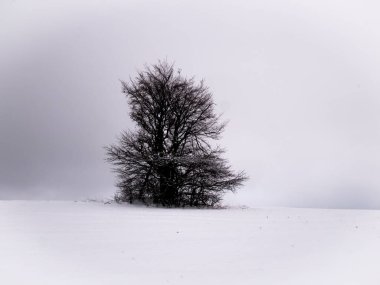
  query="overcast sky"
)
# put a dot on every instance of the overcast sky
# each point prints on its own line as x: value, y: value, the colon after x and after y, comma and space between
x: 298, y: 81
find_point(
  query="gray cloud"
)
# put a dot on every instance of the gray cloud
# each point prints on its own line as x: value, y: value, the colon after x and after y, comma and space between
x: 298, y: 82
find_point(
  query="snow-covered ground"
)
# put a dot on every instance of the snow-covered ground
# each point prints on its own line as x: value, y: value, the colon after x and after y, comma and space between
x: 95, y: 243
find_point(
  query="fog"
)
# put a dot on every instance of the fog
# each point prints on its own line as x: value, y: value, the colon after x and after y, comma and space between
x: 298, y: 82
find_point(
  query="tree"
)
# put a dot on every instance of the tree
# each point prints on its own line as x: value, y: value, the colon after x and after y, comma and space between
x: 169, y: 159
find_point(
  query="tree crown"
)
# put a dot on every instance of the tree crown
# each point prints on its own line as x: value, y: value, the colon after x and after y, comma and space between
x: 169, y: 160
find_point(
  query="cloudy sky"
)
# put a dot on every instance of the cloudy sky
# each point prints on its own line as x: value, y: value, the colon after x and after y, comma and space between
x: 298, y: 81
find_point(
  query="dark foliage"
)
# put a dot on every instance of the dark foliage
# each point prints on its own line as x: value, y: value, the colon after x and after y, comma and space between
x: 168, y: 159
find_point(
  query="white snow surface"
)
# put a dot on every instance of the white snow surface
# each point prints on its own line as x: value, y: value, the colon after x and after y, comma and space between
x: 50, y: 242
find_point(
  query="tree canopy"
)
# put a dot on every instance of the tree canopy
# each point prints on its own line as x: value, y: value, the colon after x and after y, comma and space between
x: 169, y: 159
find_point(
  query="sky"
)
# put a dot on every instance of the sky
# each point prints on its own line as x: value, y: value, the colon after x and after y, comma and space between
x: 297, y: 81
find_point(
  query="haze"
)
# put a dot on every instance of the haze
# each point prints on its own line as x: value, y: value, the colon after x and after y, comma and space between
x: 297, y: 80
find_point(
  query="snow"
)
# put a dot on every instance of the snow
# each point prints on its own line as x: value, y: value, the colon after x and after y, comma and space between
x: 44, y: 242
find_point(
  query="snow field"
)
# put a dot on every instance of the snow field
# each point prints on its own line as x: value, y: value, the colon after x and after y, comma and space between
x: 44, y: 242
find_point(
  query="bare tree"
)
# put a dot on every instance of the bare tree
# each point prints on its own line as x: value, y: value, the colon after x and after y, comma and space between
x: 169, y: 159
